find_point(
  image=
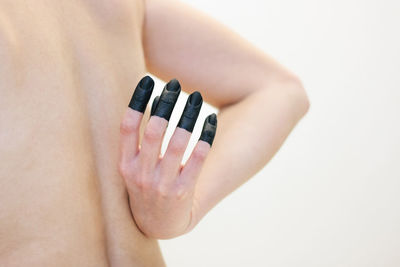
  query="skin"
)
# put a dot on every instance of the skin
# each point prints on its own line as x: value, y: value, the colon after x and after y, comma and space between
x: 161, y: 191
x: 67, y: 74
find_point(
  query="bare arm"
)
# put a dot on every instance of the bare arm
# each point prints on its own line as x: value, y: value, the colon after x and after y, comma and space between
x: 260, y: 101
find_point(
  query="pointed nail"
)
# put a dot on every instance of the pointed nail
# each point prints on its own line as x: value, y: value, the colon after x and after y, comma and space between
x: 146, y: 82
x: 141, y: 95
x: 195, y: 98
x: 168, y: 99
x: 212, y: 119
x: 191, y: 112
x: 173, y: 85
x: 209, y: 129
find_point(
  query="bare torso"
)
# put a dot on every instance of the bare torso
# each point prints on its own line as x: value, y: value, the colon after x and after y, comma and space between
x: 67, y: 72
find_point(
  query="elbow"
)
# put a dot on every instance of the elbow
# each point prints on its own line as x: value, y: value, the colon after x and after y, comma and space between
x: 291, y: 89
x: 299, y: 98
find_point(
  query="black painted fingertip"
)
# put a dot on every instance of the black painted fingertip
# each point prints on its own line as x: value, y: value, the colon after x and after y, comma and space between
x: 168, y: 99
x: 154, y: 105
x: 173, y: 85
x: 191, y: 112
x: 209, y: 129
x: 142, y: 93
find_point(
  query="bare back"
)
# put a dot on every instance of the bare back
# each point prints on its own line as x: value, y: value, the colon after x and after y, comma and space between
x: 66, y: 75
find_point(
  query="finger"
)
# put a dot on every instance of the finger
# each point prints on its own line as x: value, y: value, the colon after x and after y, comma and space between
x: 168, y: 99
x: 155, y: 129
x: 171, y: 162
x: 191, y: 112
x: 142, y: 94
x: 193, y: 166
x: 130, y: 124
x: 209, y: 129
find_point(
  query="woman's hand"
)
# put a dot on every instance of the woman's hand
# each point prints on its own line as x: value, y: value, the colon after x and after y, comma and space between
x: 161, y: 190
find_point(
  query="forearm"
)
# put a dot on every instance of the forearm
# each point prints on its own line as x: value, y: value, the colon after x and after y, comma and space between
x: 249, y: 133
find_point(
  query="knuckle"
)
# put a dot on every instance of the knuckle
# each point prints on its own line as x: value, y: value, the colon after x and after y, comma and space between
x: 153, y: 133
x: 200, y: 153
x: 124, y: 169
x: 129, y: 125
x: 138, y: 183
x: 181, y: 194
x: 142, y: 184
x: 177, y: 147
x: 163, y: 191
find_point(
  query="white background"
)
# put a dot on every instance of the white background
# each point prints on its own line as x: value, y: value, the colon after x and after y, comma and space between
x: 331, y: 196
